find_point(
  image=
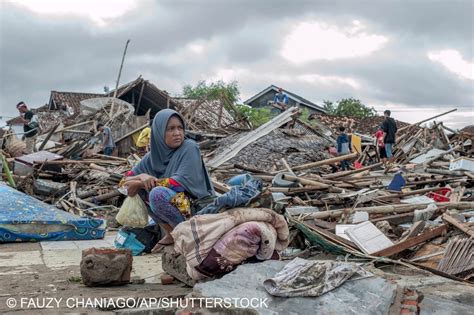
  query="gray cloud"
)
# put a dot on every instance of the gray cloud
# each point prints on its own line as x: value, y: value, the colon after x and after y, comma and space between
x: 39, y: 53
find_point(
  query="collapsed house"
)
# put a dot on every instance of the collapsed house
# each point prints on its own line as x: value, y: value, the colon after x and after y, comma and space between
x: 415, y: 213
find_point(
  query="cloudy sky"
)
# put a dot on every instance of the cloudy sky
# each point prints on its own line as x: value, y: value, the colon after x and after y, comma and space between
x: 415, y: 57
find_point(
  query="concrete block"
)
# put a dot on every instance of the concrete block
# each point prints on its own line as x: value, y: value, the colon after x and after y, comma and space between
x: 106, y: 266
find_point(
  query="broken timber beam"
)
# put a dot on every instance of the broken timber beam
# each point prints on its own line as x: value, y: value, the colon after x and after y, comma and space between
x: 408, y: 193
x: 458, y: 225
x: 392, y: 209
x: 131, y: 133
x: 347, y: 173
x: 428, y: 119
x: 397, y: 248
x: 304, y: 181
x: 48, y: 136
x: 325, y: 162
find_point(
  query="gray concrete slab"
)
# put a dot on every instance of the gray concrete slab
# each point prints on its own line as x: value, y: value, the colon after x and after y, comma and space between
x: 366, y: 296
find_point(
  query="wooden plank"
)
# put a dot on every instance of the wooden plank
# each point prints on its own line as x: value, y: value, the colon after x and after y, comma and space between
x: 399, y: 247
x: 294, y: 190
x: 347, y: 173
x: 324, y: 162
x: 395, y: 219
x: 50, y: 133
x: 408, y: 193
x: 74, y: 126
x: 416, y: 228
x: 304, y: 181
x: 458, y: 225
x: 428, y: 119
x: 220, y: 187
x: 131, y: 133
x: 394, y: 209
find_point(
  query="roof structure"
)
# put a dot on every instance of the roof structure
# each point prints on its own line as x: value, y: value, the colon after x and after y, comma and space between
x: 69, y: 101
x: 203, y: 114
x: 144, y: 96
x: 291, y: 95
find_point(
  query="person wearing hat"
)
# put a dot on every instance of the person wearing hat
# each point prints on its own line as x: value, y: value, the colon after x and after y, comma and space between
x: 30, y: 127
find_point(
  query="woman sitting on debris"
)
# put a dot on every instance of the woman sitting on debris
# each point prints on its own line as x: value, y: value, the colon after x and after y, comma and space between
x: 172, y: 173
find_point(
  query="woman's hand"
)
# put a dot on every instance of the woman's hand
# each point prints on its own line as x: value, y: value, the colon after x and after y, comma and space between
x: 133, y: 187
x: 148, y: 182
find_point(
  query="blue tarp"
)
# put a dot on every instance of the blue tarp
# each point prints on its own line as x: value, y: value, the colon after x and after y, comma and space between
x: 26, y: 219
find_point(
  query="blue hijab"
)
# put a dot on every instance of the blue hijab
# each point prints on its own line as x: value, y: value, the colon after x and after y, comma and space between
x: 184, y: 164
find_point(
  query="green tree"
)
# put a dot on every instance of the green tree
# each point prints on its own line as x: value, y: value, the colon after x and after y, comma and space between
x: 329, y: 107
x: 304, y: 114
x: 256, y: 116
x: 349, y: 107
x: 219, y: 90
x: 229, y: 94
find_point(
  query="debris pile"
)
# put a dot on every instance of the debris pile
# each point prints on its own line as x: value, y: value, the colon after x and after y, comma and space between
x: 416, y: 209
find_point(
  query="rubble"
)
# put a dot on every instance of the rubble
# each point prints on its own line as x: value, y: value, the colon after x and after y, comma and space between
x: 415, y: 211
x: 395, y: 196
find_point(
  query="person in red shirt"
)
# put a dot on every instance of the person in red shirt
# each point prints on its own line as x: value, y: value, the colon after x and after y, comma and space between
x: 379, y: 135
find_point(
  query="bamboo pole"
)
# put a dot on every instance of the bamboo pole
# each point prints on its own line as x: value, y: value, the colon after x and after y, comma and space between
x: 392, y: 209
x: 65, y: 129
x: 325, y: 162
x: 118, y: 79
x: 428, y: 119
x: 304, y: 181
x: 409, y: 193
x: 347, y: 173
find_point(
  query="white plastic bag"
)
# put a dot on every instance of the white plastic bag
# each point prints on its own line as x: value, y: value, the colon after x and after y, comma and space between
x: 133, y: 212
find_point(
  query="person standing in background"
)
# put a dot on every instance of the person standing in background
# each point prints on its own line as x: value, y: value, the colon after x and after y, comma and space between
x: 389, y: 127
x: 30, y: 126
x: 343, y: 147
x: 380, y: 145
x: 143, y: 141
x: 108, y: 143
